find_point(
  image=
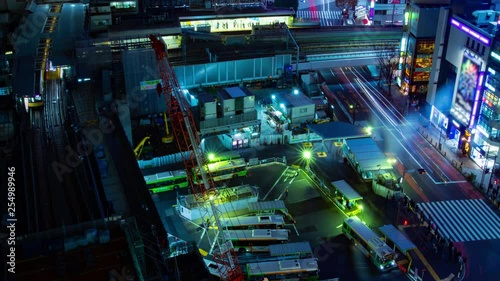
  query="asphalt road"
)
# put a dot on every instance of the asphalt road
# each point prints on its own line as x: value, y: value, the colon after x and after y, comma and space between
x: 399, y: 137
x: 324, y: 11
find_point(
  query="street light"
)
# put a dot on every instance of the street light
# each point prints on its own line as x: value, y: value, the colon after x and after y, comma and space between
x: 307, y: 155
x: 368, y: 130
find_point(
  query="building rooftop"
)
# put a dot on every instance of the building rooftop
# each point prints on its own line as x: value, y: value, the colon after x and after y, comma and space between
x: 136, y: 27
x: 205, y: 98
x: 291, y: 99
x: 233, y: 93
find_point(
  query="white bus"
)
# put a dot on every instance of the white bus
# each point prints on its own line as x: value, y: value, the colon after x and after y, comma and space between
x: 254, y: 222
x: 256, y: 240
x: 369, y: 243
x: 296, y: 269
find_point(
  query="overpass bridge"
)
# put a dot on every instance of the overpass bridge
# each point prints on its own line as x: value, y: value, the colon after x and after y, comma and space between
x: 263, y: 68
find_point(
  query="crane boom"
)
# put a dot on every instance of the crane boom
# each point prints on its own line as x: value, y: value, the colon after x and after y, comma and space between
x: 187, y: 140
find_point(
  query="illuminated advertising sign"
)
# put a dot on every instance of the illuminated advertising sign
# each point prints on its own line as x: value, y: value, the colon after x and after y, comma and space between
x: 465, y: 90
x: 476, y: 99
x: 149, y: 85
x: 470, y: 31
x: 221, y: 24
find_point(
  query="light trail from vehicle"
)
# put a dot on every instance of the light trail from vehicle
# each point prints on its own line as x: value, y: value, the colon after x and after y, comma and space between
x: 399, y: 123
x: 388, y: 115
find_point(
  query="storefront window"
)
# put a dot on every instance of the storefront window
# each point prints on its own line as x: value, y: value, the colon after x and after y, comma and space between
x: 487, y: 112
x: 126, y: 5
x: 423, y: 61
x: 221, y: 25
x: 490, y: 99
x: 425, y: 47
x: 421, y: 76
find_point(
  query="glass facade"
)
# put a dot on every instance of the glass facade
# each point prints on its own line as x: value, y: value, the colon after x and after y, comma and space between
x: 417, y: 63
x: 489, y: 116
x: 123, y: 6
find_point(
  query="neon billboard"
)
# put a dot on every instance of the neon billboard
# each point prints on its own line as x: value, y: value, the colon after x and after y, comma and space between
x: 465, y: 93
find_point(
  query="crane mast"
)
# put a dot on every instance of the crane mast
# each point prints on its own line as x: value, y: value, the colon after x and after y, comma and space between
x: 200, y: 180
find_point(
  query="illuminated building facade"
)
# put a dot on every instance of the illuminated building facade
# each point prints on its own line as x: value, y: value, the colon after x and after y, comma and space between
x: 462, y: 108
x: 417, y: 47
x: 487, y: 136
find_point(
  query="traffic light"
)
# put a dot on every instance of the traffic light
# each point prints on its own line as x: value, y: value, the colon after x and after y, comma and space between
x: 405, y: 222
x: 496, y: 181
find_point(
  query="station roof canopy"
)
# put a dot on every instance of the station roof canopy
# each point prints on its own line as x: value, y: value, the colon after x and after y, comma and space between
x: 349, y: 193
x: 337, y: 130
x: 367, y: 153
x: 393, y: 234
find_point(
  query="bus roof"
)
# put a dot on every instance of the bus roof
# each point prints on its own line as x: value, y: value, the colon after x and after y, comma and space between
x: 253, y: 220
x: 266, y: 206
x: 290, y: 249
x: 369, y: 236
x: 282, y: 267
x: 226, y: 164
x: 258, y: 234
x: 346, y: 189
x: 165, y: 175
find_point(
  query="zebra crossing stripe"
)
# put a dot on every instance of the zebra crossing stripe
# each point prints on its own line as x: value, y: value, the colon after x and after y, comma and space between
x: 463, y: 220
x: 483, y: 210
x: 483, y: 233
x: 323, y: 14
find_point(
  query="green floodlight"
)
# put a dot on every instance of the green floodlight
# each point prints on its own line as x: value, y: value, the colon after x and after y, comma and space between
x: 307, y: 154
x: 211, y: 157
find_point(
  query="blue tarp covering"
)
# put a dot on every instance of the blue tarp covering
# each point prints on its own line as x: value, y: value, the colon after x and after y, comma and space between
x: 393, y: 234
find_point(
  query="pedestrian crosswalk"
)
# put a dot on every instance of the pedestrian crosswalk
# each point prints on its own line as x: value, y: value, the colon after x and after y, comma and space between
x: 463, y: 220
x: 326, y: 18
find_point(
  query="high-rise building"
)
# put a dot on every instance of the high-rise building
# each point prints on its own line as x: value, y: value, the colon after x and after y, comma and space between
x: 462, y: 90
x: 417, y: 47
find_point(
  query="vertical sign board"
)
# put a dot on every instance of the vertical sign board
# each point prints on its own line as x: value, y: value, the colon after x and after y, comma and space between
x: 465, y: 88
x: 360, y: 12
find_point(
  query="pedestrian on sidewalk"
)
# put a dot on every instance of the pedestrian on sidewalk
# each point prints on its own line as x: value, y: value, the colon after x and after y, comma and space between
x: 286, y: 194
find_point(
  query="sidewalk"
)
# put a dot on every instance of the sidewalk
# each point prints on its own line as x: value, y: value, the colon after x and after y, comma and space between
x: 470, y: 169
x: 438, y: 256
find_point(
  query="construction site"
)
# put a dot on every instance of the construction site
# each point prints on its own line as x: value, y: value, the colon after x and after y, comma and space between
x: 233, y: 229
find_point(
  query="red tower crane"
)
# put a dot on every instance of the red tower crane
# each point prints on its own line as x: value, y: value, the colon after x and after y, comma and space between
x: 187, y: 139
